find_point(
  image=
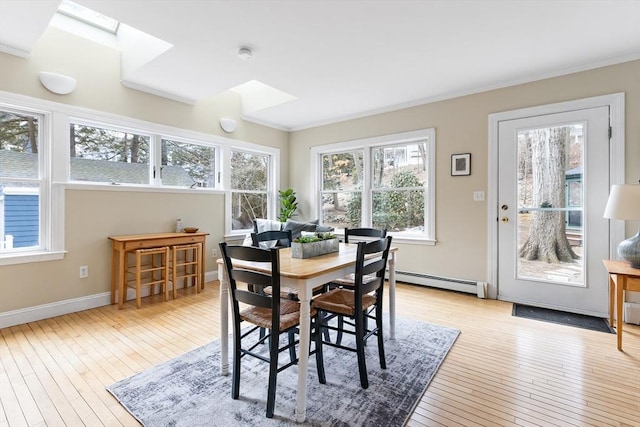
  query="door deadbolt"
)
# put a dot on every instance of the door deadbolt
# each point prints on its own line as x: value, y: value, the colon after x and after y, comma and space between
x: 504, y: 207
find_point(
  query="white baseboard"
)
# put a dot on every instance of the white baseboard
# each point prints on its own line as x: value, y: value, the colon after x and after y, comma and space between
x: 45, y: 311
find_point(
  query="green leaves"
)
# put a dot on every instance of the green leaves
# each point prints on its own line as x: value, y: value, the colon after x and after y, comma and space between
x: 288, y: 204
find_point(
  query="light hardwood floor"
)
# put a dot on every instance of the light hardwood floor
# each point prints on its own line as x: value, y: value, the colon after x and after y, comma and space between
x: 502, y: 370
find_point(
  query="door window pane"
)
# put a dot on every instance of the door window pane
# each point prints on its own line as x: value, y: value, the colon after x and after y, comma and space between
x: 550, y: 209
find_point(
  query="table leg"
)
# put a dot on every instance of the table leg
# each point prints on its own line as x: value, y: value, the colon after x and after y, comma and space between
x: 392, y: 295
x: 612, y: 297
x: 113, y: 274
x: 620, y: 285
x: 202, y: 261
x: 224, y: 319
x: 303, y: 362
x: 122, y: 271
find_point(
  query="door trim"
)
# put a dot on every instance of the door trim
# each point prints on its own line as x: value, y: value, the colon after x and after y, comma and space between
x: 615, y: 102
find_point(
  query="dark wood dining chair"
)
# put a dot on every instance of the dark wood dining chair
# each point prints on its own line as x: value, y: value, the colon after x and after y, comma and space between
x: 277, y: 316
x: 354, y: 303
x: 357, y: 235
x: 282, y: 238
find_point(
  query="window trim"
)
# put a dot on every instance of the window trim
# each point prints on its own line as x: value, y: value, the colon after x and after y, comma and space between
x: 367, y: 145
x: 61, y: 115
x: 51, y: 196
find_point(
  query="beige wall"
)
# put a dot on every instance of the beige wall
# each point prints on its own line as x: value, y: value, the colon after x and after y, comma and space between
x: 462, y: 126
x: 91, y: 216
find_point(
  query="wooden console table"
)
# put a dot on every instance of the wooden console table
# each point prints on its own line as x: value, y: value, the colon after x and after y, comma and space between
x: 120, y: 245
x: 622, y: 277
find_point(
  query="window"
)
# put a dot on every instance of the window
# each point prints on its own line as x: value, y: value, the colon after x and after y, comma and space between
x: 188, y: 164
x: 99, y: 154
x: 385, y: 182
x: 23, y: 182
x: 399, y: 187
x: 88, y: 16
x: 250, y: 188
x: 117, y: 155
x: 342, y: 180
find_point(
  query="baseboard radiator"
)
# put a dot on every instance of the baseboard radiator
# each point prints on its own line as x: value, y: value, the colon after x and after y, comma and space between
x: 449, y: 283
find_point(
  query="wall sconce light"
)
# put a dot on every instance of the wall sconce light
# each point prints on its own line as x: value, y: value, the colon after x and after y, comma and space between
x: 57, y: 83
x: 624, y: 203
x: 228, y: 125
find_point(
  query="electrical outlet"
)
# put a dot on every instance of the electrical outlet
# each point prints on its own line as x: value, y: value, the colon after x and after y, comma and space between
x: 478, y: 196
x: 84, y: 271
x: 214, y: 253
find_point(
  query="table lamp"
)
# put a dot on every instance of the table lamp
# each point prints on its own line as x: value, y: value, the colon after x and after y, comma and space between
x: 624, y: 203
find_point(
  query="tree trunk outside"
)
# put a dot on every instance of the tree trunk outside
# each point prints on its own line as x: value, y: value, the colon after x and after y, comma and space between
x: 547, y: 240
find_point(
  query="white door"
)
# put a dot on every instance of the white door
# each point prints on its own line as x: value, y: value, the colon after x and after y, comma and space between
x: 553, y: 183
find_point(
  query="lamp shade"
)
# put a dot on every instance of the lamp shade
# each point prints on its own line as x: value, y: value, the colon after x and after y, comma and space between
x: 624, y: 202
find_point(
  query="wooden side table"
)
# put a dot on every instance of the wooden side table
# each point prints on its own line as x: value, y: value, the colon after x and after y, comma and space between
x: 622, y: 277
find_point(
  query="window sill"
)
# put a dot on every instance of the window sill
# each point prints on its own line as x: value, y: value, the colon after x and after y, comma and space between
x: 139, y: 188
x: 28, y: 257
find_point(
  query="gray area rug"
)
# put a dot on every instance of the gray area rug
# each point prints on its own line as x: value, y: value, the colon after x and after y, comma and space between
x: 190, y: 391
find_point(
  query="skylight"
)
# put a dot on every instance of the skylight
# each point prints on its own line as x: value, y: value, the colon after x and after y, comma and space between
x: 88, y: 16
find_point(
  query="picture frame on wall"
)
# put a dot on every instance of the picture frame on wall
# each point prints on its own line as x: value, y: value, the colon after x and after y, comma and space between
x: 461, y: 164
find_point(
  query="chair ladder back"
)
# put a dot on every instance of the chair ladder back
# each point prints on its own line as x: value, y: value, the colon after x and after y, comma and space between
x: 364, y: 232
x: 254, y: 295
x: 282, y: 237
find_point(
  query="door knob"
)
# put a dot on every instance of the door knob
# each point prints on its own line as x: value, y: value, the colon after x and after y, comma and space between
x: 504, y: 219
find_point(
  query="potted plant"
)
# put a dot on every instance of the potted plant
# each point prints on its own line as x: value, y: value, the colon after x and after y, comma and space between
x: 288, y: 204
x: 308, y: 246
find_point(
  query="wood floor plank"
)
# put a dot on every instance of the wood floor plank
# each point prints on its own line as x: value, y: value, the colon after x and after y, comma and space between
x: 502, y: 370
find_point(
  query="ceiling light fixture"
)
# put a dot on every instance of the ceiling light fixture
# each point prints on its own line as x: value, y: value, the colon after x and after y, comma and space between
x: 245, y: 53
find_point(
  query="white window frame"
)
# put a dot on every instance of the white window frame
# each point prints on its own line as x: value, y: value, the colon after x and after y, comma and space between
x: 156, y: 133
x: 55, y: 160
x: 367, y: 144
x: 272, y: 185
x: 51, y: 195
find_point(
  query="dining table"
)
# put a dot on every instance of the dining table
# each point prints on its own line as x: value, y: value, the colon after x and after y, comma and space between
x: 303, y: 274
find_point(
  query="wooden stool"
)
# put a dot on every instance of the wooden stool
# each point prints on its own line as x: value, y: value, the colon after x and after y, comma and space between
x: 185, y: 264
x: 151, y: 268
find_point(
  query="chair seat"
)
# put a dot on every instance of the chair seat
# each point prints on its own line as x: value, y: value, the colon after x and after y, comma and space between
x: 350, y: 279
x: 261, y: 316
x: 341, y: 301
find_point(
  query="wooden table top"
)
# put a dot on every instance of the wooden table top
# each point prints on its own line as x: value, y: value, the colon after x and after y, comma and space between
x: 152, y: 236
x: 299, y: 268
x: 620, y: 267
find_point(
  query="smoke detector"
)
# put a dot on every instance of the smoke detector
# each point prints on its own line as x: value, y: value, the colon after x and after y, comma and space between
x: 245, y: 53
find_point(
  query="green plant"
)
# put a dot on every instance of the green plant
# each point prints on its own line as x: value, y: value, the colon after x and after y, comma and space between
x: 288, y: 204
x: 317, y: 237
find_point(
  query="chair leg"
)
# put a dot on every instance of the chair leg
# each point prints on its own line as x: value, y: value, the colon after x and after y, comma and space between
x: 383, y: 361
x: 325, y: 331
x: 292, y: 348
x: 340, y: 327
x: 362, y: 366
x: 317, y: 335
x: 235, y: 384
x: 273, y: 373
